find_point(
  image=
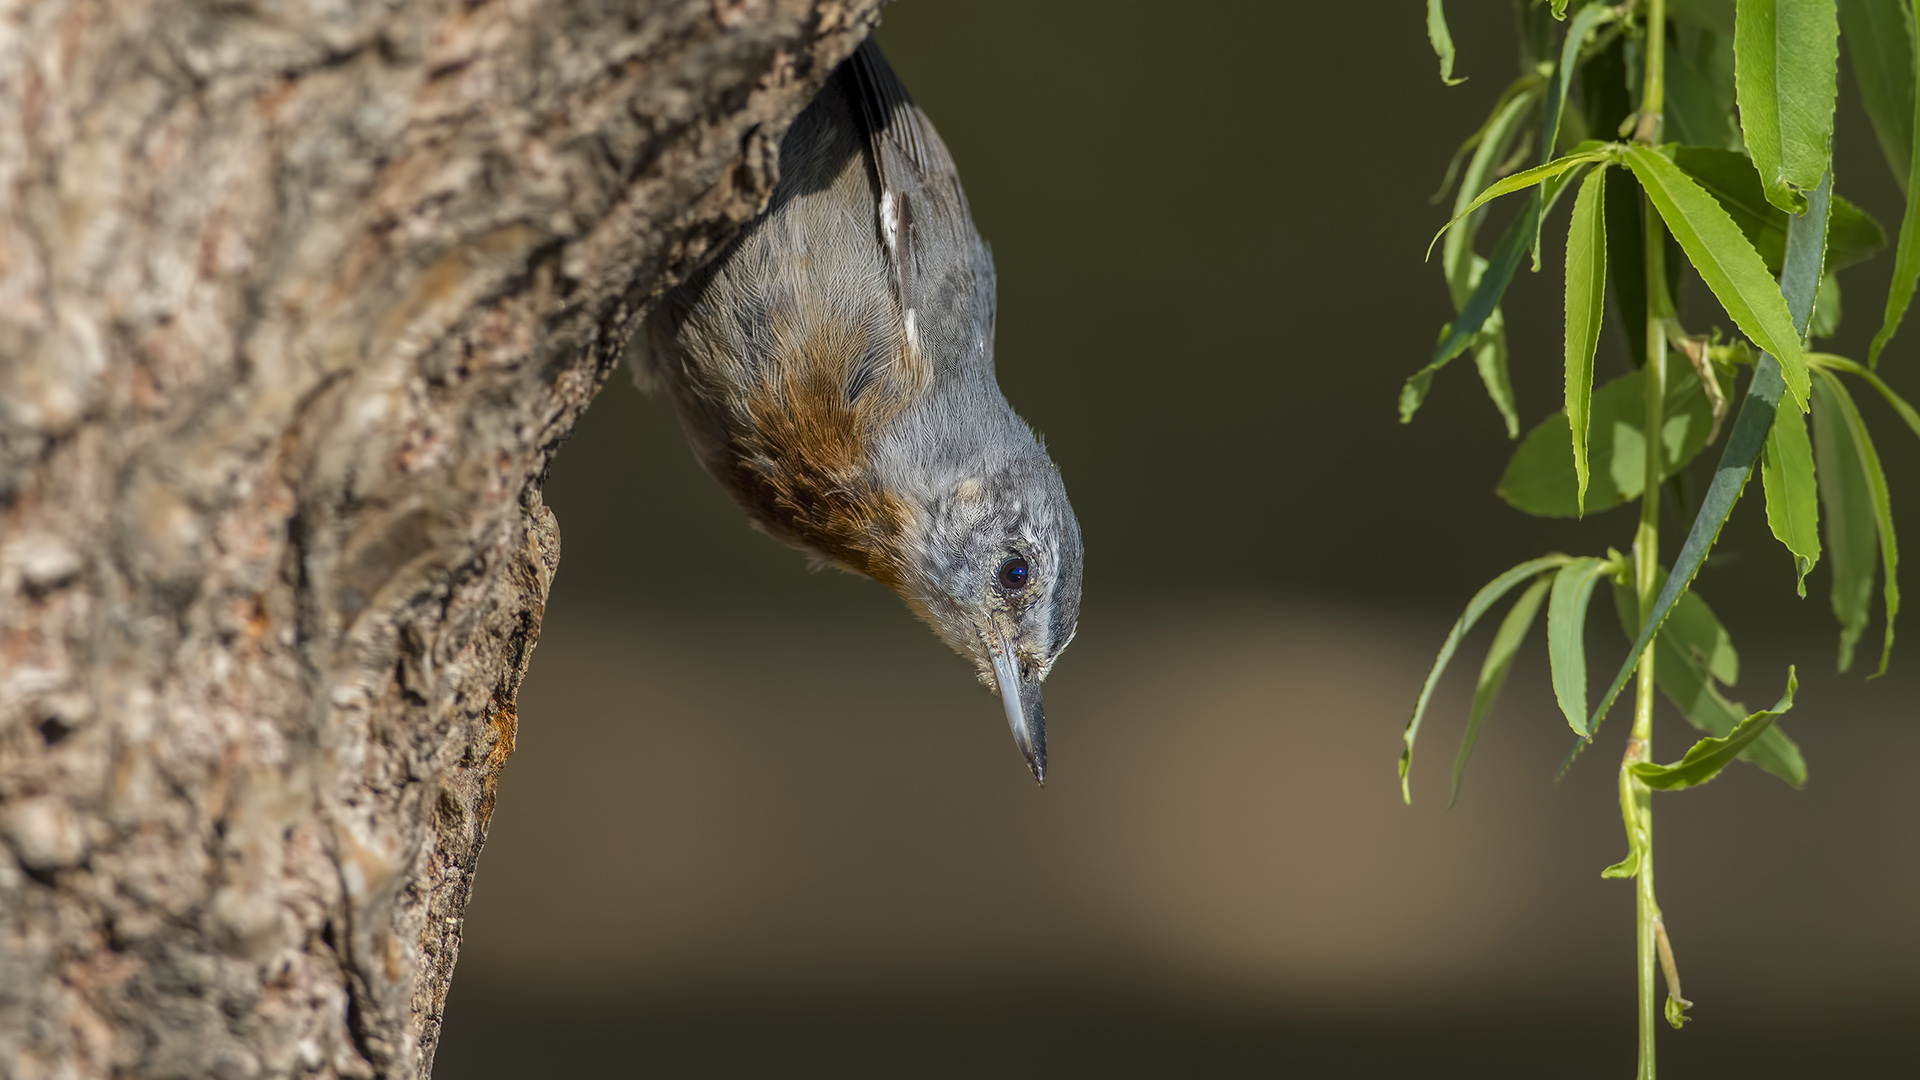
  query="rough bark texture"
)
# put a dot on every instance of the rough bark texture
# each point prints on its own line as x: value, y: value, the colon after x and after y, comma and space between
x: 296, y: 302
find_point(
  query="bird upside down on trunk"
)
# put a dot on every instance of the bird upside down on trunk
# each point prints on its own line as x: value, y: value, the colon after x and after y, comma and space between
x: 833, y: 369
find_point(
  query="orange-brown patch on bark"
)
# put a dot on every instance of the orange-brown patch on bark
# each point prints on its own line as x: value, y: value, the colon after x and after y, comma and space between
x: 506, y: 729
x: 808, y: 462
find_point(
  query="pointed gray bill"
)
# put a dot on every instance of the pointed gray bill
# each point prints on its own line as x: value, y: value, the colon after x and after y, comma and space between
x: 1024, y: 714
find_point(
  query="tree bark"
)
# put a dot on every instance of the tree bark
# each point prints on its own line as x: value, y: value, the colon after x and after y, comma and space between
x: 296, y: 303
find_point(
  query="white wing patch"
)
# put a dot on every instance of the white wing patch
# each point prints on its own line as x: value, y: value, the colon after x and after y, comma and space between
x: 890, y: 225
x: 913, y: 337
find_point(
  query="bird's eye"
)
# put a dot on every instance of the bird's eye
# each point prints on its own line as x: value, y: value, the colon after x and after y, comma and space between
x: 1013, y: 574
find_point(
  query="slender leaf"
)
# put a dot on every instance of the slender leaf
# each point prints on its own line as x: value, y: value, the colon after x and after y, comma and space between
x: 1488, y: 595
x: 1726, y: 262
x: 1473, y: 316
x: 1490, y: 359
x: 1694, y: 631
x: 1801, y: 279
x: 1442, y: 42
x: 1880, y: 46
x: 1457, y: 260
x: 1465, y: 270
x: 1744, y: 445
x: 1693, y: 651
x: 1567, y: 635
x: 1906, y: 253
x: 1841, y: 363
x: 1493, y: 671
x: 1826, y: 308
x: 1852, y: 540
x: 1786, y: 56
x: 1534, y: 25
x: 1705, y: 759
x: 1590, y: 16
x: 1628, y: 867
x: 1786, y: 474
x: 1471, y: 144
x: 1541, y: 480
x: 1852, y: 235
x: 1586, y: 311
x: 1586, y: 154
x: 1882, y: 505
x: 1468, y: 327
x: 1727, y: 175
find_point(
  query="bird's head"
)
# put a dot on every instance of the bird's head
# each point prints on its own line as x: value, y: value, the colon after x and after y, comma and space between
x: 994, y: 567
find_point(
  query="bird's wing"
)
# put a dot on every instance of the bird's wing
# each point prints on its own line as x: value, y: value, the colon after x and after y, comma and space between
x: 924, y: 221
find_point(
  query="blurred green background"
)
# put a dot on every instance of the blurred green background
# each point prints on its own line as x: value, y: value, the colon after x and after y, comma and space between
x: 760, y: 821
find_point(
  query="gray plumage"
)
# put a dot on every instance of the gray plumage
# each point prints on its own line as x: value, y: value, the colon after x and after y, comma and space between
x: 833, y: 370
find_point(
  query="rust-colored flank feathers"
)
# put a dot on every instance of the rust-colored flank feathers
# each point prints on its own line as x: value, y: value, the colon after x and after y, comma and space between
x: 805, y: 460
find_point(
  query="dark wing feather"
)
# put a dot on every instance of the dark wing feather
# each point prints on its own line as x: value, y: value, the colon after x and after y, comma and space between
x: 899, y: 130
x: 923, y: 217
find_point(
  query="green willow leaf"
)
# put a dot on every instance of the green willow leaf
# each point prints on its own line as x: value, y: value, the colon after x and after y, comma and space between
x: 1726, y: 262
x: 1585, y: 154
x: 1442, y: 42
x: 1488, y: 595
x: 1691, y: 653
x: 1465, y: 270
x: 1882, y: 505
x: 1706, y: 758
x: 1586, y: 312
x: 1727, y: 175
x: 1471, y: 144
x: 1806, y: 241
x: 1567, y: 635
x: 1906, y: 253
x: 1852, y: 235
x: 1852, y: 538
x: 1493, y: 671
x: 1589, y: 17
x: 1826, y: 308
x: 1880, y: 46
x: 1474, y: 314
x: 1457, y: 260
x: 1786, y: 57
x: 1900, y: 406
x: 1786, y: 474
x: 1490, y: 359
x: 1541, y: 480
x: 1469, y: 326
x: 1695, y: 632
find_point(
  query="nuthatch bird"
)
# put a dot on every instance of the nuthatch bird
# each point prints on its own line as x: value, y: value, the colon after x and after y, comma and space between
x: 833, y: 370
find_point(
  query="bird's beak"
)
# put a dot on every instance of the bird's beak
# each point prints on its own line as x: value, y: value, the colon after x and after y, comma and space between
x: 1024, y: 714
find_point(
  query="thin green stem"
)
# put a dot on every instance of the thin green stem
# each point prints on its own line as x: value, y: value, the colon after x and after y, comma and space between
x: 1653, y: 95
x: 1636, y: 798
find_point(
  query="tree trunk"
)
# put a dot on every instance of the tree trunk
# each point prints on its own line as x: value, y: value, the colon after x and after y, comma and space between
x: 296, y: 303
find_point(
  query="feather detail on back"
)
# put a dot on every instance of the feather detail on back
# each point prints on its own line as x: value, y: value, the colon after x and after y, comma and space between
x: 925, y: 226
